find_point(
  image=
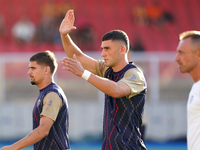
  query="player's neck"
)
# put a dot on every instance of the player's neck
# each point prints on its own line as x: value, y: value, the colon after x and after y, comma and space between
x: 44, y: 84
x: 119, y: 66
x: 195, y: 74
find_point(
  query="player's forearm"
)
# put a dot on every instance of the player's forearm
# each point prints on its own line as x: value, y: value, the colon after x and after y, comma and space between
x: 106, y: 86
x: 71, y: 49
x: 32, y: 138
x: 69, y: 46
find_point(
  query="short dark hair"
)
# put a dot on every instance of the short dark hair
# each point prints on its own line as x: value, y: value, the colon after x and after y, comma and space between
x: 193, y: 34
x: 117, y: 35
x: 46, y: 58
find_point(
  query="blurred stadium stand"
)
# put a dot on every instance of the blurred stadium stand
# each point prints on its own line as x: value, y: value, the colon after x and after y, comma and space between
x: 105, y: 16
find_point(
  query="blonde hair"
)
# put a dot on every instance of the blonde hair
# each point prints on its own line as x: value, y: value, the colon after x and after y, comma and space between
x: 193, y: 34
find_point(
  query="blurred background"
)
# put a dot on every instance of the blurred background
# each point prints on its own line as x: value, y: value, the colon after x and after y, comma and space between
x: 153, y: 26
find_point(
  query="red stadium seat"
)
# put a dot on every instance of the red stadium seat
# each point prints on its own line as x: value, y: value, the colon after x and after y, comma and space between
x: 108, y: 15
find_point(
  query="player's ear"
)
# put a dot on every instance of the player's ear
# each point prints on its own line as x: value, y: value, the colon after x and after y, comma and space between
x: 123, y: 50
x: 47, y: 70
x: 198, y: 55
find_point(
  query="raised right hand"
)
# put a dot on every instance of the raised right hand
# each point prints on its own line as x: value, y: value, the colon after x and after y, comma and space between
x: 73, y: 65
x: 67, y: 24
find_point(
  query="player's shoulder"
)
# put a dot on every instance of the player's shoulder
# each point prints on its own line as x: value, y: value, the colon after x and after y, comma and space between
x: 134, y: 74
x: 134, y: 70
x: 196, y: 86
x: 100, y: 67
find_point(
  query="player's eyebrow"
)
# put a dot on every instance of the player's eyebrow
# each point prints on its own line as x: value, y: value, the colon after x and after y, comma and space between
x: 106, y: 47
x: 31, y: 67
x: 180, y: 51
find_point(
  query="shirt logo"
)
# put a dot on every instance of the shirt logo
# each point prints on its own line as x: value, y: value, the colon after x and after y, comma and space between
x: 38, y: 103
x: 133, y: 77
x: 191, y: 99
x: 50, y: 102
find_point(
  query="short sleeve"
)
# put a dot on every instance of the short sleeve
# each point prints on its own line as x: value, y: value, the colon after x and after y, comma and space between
x: 100, y: 68
x: 51, y: 105
x: 135, y: 79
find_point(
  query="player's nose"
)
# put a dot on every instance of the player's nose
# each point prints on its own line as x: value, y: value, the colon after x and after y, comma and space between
x: 177, y: 58
x: 103, y: 53
x: 29, y: 72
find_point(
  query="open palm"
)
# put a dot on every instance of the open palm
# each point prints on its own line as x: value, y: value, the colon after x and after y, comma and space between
x: 67, y: 24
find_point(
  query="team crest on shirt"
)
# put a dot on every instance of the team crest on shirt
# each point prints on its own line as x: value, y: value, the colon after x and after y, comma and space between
x: 191, y: 99
x: 50, y: 102
x: 134, y: 77
x: 38, y: 103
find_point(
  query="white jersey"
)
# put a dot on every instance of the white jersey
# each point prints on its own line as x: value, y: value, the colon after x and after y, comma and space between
x: 193, y: 118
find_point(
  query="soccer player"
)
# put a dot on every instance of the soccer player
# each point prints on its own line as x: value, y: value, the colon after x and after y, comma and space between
x: 50, y: 113
x: 188, y: 59
x: 122, y: 82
